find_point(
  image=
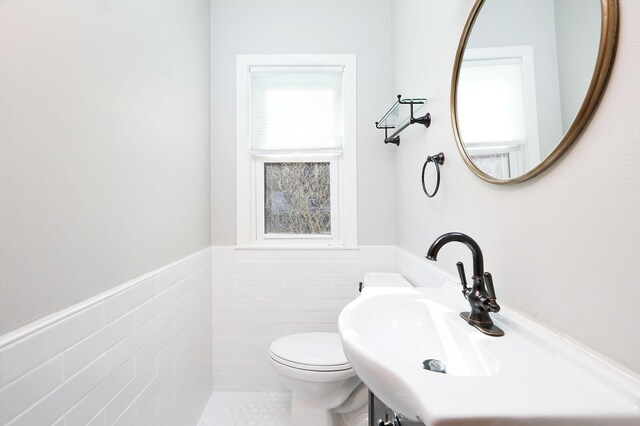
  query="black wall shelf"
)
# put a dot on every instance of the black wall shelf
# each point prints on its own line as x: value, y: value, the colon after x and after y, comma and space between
x: 393, y: 120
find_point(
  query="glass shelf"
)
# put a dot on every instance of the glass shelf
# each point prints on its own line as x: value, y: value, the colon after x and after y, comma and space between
x: 399, y: 118
x: 397, y: 115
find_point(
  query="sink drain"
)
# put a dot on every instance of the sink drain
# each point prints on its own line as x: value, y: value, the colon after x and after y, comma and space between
x: 435, y: 365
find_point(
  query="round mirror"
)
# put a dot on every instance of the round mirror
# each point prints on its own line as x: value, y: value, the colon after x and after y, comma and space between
x: 527, y: 77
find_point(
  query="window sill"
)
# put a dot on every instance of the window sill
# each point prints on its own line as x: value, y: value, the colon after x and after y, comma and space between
x: 295, y: 252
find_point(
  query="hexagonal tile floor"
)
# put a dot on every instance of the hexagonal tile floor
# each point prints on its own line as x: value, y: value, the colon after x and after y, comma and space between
x: 247, y: 409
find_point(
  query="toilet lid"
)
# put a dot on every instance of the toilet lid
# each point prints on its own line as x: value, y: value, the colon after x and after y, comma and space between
x: 310, y: 351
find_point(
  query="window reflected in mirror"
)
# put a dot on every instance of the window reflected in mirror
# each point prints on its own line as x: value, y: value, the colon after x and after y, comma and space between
x: 523, y: 72
x: 499, y: 81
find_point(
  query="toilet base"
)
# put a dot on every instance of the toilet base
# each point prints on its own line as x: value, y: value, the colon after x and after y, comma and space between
x: 308, y: 412
x: 355, y: 410
x: 313, y: 412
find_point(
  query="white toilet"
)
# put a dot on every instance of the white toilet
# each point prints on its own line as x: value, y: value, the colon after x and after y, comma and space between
x: 315, y: 369
x: 326, y: 390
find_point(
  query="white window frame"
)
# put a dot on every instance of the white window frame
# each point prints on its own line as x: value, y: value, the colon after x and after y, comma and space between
x: 250, y: 164
x: 524, y: 55
x: 514, y: 152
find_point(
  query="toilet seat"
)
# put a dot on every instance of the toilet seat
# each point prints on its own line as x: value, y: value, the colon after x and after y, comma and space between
x: 310, y: 351
x: 316, y: 368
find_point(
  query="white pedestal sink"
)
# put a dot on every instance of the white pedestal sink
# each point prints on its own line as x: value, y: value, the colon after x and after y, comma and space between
x: 530, y: 376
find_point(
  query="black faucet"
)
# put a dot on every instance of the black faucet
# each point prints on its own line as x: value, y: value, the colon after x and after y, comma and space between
x: 481, y: 295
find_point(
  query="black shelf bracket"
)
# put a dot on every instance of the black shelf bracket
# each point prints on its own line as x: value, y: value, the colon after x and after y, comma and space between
x: 425, y: 120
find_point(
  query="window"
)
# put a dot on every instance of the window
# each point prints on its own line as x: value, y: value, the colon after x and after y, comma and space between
x: 499, y: 80
x: 296, y: 150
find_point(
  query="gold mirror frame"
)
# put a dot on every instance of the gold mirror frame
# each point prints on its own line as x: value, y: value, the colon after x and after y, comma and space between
x: 604, y: 63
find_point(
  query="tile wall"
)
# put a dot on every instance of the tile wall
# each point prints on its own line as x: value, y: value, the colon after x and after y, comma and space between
x: 142, y: 353
x: 420, y: 272
x: 261, y: 295
x: 137, y: 355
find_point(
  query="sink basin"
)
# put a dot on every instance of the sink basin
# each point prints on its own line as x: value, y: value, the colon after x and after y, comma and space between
x: 422, y: 329
x: 527, y: 377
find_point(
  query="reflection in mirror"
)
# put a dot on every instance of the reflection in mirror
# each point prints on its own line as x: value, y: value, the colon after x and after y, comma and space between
x: 525, y: 71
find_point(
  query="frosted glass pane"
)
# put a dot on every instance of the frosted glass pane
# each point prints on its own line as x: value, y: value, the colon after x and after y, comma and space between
x: 297, y: 109
x: 297, y: 198
x: 491, y: 102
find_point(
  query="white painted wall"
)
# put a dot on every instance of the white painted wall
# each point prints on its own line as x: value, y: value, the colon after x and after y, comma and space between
x: 528, y: 23
x: 104, y: 150
x: 563, y: 248
x: 360, y: 27
x: 578, y: 45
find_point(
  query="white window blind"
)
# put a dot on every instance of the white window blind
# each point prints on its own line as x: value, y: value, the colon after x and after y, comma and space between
x: 491, y: 101
x: 296, y: 108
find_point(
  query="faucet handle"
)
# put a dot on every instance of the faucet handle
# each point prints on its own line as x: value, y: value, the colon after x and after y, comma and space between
x: 488, y: 285
x: 463, y: 276
x: 491, y: 303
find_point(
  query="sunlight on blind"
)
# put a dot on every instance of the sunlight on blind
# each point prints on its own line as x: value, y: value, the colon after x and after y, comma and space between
x: 491, y: 102
x: 297, y: 109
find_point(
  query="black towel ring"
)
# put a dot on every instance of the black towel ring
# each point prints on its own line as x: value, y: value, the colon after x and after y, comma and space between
x: 437, y: 160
